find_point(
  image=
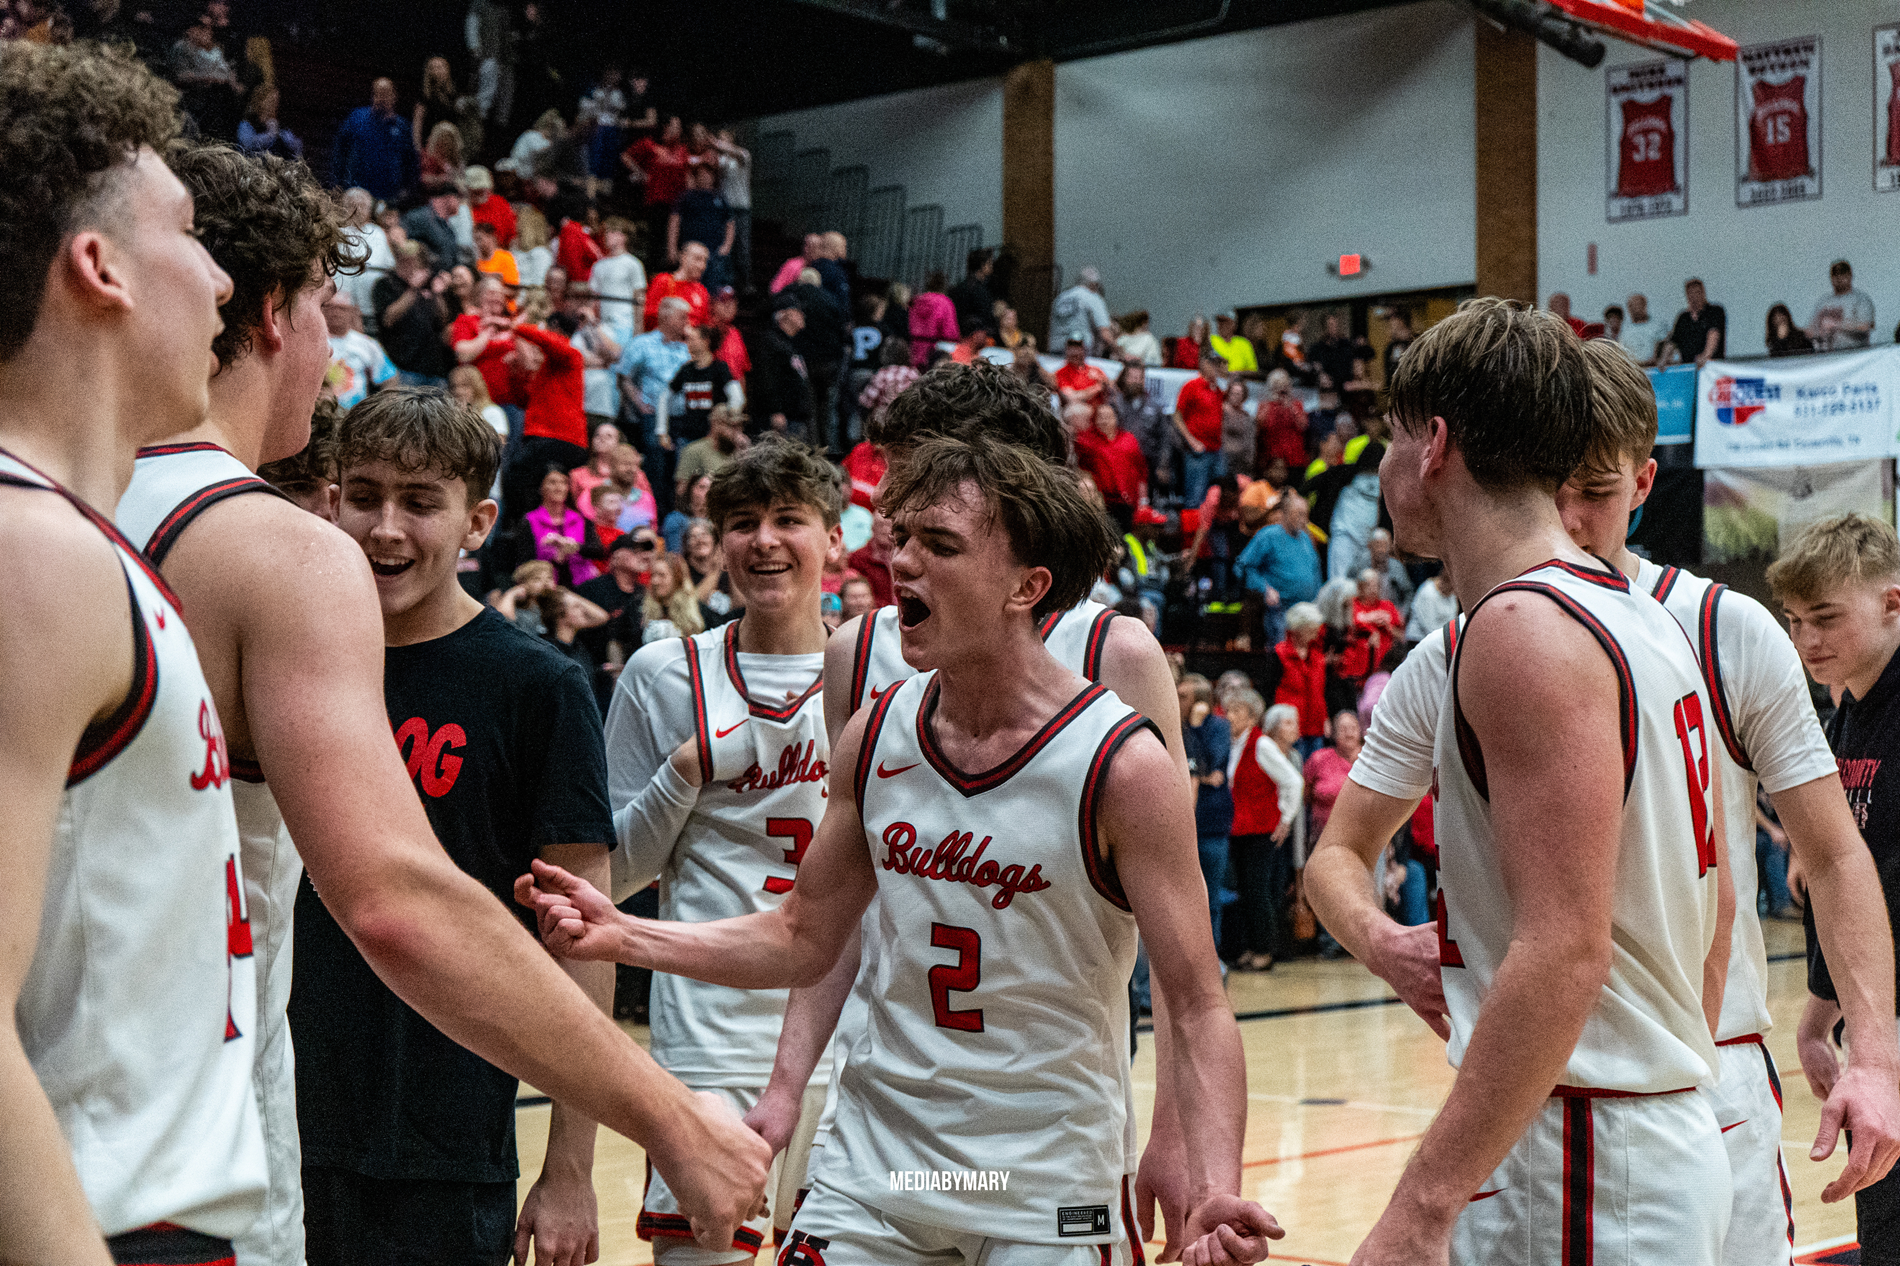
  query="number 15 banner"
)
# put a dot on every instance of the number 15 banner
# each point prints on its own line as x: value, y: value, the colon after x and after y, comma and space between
x: 1648, y: 134
x: 1797, y: 411
x: 1778, y: 122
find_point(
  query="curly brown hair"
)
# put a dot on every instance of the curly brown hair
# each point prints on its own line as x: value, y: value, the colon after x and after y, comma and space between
x: 266, y: 221
x: 69, y: 115
x: 772, y: 470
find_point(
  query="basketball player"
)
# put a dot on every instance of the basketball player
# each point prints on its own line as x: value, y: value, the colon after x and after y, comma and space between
x: 1576, y: 829
x: 285, y: 613
x: 865, y: 658
x: 1757, y: 683
x: 994, y: 1042
x: 717, y: 757
x: 125, y: 968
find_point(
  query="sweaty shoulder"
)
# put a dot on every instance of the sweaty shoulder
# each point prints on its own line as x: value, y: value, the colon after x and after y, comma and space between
x: 244, y: 545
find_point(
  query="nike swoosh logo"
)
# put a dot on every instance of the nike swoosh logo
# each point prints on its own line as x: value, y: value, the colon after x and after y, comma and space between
x: 1484, y: 1195
x: 877, y: 692
x: 882, y: 772
x: 718, y: 734
x: 1727, y: 1128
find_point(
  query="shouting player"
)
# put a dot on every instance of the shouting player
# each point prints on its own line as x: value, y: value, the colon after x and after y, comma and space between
x: 1033, y: 831
x: 287, y: 621
x: 125, y: 965
x: 717, y: 765
x: 1755, y: 684
x: 1584, y: 922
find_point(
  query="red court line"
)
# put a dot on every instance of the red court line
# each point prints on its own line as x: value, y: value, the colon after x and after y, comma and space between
x: 1332, y: 1151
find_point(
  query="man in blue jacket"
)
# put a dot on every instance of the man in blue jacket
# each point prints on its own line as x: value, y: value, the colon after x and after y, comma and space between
x: 375, y: 147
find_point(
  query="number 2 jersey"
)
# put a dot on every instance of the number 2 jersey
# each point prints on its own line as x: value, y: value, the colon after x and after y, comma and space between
x: 1647, y: 1033
x: 995, y: 1033
x: 733, y: 847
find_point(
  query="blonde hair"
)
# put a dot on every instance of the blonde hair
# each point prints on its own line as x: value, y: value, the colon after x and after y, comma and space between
x: 531, y: 229
x: 683, y: 607
x: 534, y: 568
x: 1622, y: 409
x: 1203, y: 688
x: 536, y: 307
x: 1847, y: 550
x: 445, y: 142
x: 478, y: 385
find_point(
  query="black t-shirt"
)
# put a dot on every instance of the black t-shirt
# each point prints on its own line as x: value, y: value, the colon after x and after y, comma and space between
x: 624, y: 619
x: 1864, y: 734
x: 701, y: 389
x: 415, y: 342
x: 703, y: 218
x: 1336, y: 356
x: 1691, y: 333
x: 504, y: 743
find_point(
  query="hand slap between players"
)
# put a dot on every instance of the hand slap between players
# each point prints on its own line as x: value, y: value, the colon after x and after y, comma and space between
x: 575, y: 919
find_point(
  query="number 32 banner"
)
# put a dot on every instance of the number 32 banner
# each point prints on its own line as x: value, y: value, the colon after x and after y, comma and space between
x: 1798, y: 411
x: 1778, y: 122
x: 1648, y: 133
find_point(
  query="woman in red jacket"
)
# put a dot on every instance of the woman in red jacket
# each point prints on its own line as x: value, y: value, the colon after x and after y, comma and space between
x: 1268, y: 789
x: 1303, y: 674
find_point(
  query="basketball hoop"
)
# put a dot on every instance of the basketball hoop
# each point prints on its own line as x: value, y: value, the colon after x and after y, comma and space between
x: 1650, y: 25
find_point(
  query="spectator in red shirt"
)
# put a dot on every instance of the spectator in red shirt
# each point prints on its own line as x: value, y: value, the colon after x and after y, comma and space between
x: 1112, y: 457
x: 728, y: 344
x: 873, y: 562
x: 1190, y: 346
x: 1302, y: 659
x: 662, y: 164
x: 1282, y: 420
x: 484, y: 338
x: 575, y: 250
x: 554, y: 431
x: 684, y: 284
x: 1376, y: 624
x: 865, y: 466
x: 486, y: 207
x: 1197, y: 416
x: 1079, y: 382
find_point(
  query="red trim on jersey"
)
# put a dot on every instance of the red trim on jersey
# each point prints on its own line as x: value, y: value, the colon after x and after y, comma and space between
x: 1609, y: 578
x: 1665, y: 583
x: 1752, y: 1038
x: 990, y: 779
x: 676, y: 1226
x: 1625, y: 680
x: 1097, y: 640
x: 173, y: 525
x: 1106, y: 1259
x: 1101, y: 873
x: 1049, y: 623
x: 99, y: 521
x: 1580, y: 1180
x: 166, y: 450
x: 1711, y: 657
x: 1774, y: 1078
x: 861, y: 668
x: 872, y: 727
x: 103, y: 740
x: 701, y: 734
x: 1130, y: 1227
x: 1451, y: 637
x: 780, y: 714
x: 1469, y: 753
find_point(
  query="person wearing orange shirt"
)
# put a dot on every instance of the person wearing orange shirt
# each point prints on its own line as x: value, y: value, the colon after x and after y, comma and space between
x: 491, y: 259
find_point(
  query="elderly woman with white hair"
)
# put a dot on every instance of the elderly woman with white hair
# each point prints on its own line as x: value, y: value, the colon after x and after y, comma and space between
x: 1263, y: 770
x: 1302, y: 685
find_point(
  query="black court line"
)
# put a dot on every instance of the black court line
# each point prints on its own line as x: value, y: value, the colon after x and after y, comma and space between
x: 1276, y: 1013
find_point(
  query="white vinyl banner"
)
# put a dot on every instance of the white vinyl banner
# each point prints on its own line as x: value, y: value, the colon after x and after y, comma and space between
x: 1796, y: 411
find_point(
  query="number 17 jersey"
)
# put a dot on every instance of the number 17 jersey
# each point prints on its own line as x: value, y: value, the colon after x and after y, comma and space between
x: 1647, y: 1033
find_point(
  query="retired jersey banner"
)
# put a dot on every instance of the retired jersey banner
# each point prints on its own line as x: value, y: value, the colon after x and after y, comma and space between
x: 1648, y: 133
x: 1796, y: 411
x: 1886, y: 108
x: 1778, y: 122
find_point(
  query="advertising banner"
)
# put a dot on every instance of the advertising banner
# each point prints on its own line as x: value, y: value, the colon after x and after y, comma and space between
x: 1886, y: 108
x: 1751, y: 515
x: 1778, y: 122
x: 1796, y: 411
x: 1648, y: 133
x: 1675, y: 403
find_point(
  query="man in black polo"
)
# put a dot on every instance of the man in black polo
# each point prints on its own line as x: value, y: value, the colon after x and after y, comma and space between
x: 1701, y: 331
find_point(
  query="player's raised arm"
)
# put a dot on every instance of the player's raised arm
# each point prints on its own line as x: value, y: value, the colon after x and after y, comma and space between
x: 1147, y: 826
x: 795, y: 944
x: 1541, y: 699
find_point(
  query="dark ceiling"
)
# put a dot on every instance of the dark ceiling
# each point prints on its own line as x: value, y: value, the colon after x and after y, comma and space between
x: 733, y: 59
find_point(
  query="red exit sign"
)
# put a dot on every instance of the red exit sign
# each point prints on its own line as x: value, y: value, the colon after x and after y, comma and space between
x: 1350, y: 265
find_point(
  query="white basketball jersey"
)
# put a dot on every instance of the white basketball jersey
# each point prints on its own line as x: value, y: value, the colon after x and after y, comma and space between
x: 171, y: 486
x: 139, y: 1011
x: 764, y: 772
x: 1696, y: 604
x: 1647, y: 1034
x: 1075, y: 637
x: 996, y: 1025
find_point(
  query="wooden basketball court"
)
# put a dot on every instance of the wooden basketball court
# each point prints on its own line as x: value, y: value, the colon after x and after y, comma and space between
x: 1342, y: 1082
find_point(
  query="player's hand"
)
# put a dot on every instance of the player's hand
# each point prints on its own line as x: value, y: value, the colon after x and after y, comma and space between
x: 1229, y: 1231
x: 1161, y: 1184
x: 1866, y: 1101
x: 561, y: 1219
x: 775, y: 1117
x: 575, y: 918
x: 1407, y: 959
x: 715, y: 1167
x: 1813, y: 1042
x: 685, y: 761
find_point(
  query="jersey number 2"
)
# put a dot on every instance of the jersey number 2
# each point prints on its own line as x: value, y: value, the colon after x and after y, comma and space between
x: 798, y: 831
x: 1695, y: 759
x: 962, y: 977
